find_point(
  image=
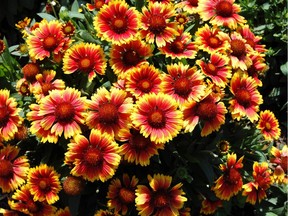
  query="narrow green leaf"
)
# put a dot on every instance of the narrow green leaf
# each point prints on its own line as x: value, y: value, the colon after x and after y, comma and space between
x: 46, y: 16
x: 284, y: 68
x: 75, y: 6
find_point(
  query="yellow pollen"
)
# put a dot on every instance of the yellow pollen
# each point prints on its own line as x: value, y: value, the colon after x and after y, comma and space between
x: 43, y: 184
x: 49, y: 42
x: 145, y: 84
x: 85, y: 63
x: 118, y: 23
x: 267, y: 125
x: 156, y: 117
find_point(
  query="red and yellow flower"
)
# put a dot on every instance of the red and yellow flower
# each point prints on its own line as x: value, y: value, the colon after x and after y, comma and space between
x: 183, y: 83
x: 63, y: 212
x: 129, y: 55
x: 13, y: 168
x: 209, y: 110
x: 143, y: 80
x: 257, y: 69
x: 47, y: 39
x: 136, y: 148
x: 117, y: 22
x: 180, y: 47
x: 86, y: 58
x: 157, y: 116
x: 268, y: 125
x: 189, y: 6
x: 279, y: 159
x: 160, y: 198
x: 109, y: 111
x: 230, y: 183
x: 44, y: 184
x: 10, y: 118
x: 60, y: 112
x: 46, y: 82
x: 96, y: 158
x: 211, y: 39
x: 209, y: 207
x: 155, y: 23
x: 97, y: 4
x: 23, y: 201
x: 246, y: 98
x: 121, y: 194
x: 256, y: 190
x: 221, y: 13
x: 217, y: 69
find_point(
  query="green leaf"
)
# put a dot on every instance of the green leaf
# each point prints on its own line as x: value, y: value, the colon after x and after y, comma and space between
x: 46, y: 16
x: 75, y: 6
x: 74, y: 14
x: 284, y: 68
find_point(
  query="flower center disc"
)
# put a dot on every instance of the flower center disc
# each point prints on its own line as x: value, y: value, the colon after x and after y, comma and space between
x: 157, y: 119
x: 214, y: 42
x: 233, y: 176
x: 267, y: 126
x: 224, y: 9
x: 6, y: 168
x: 206, y: 110
x: 32, y: 206
x: 4, y: 116
x: 85, y: 64
x: 93, y: 156
x: 119, y: 25
x: 243, y: 97
x: 64, y: 112
x: 138, y: 141
x: 193, y: 2
x: 30, y: 70
x: 44, y: 184
x: 50, y: 43
x: 46, y: 87
x: 177, y: 47
x: 157, y: 24
x: 211, y: 69
x: 108, y: 113
x: 127, y: 196
x: 145, y: 86
x: 160, y: 200
x: 182, y: 87
x: 238, y: 48
x: 131, y: 58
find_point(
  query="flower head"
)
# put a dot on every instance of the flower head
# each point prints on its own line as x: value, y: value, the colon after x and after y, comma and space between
x: 209, y: 207
x: 116, y: 22
x: 129, y: 55
x: 268, y: 125
x: 109, y: 111
x: 10, y: 118
x: 95, y: 158
x: 156, y: 25
x: 221, y: 13
x: 246, y: 99
x: 121, y: 194
x: 86, y: 58
x: 160, y: 198
x: 44, y: 183
x: 157, y: 116
x: 13, y: 168
x: 230, y: 183
x: 46, y: 40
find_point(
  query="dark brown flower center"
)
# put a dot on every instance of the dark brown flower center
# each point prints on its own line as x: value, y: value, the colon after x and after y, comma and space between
x: 44, y: 184
x: 126, y: 195
x: 243, y: 97
x: 177, y: 47
x: 46, y: 87
x: 6, y: 168
x: 64, y: 112
x: 93, y: 156
x: 193, y: 2
x: 214, y: 42
x: 157, y: 23
x: 4, y: 116
x: 33, y: 207
x: 131, y: 58
x: 108, y: 113
x: 50, y: 43
x: 161, y: 199
x: 73, y: 185
x: 157, y: 119
x: 224, y: 9
x: 24, y: 88
x: 182, y: 87
x: 238, y: 47
x: 232, y: 176
x: 30, y: 70
x: 119, y: 25
x: 206, y: 110
x: 144, y: 85
x: 211, y: 69
x: 138, y: 141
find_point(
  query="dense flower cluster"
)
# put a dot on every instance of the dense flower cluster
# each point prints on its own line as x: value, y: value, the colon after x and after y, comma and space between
x: 136, y: 103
